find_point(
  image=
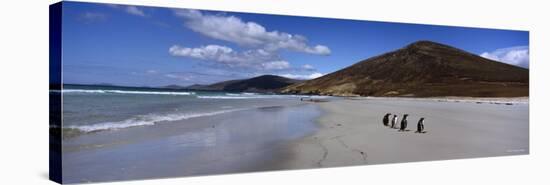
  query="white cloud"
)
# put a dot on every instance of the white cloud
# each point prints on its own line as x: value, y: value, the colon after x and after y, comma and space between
x: 135, y: 11
x: 258, y: 59
x: 308, y: 67
x: 259, y: 48
x: 276, y: 65
x: 209, y: 52
x: 318, y: 49
x: 518, y: 56
x: 250, y: 34
x: 302, y: 76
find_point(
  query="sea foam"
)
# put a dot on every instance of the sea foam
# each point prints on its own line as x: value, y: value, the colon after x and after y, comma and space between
x: 126, y: 92
x: 145, y: 120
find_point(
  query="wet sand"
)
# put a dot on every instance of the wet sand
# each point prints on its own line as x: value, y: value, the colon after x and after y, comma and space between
x: 242, y: 141
x: 352, y: 132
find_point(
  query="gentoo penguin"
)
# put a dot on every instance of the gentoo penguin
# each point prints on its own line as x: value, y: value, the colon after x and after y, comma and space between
x: 386, y: 119
x: 403, y: 123
x: 393, y: 121
x: 420, y: 126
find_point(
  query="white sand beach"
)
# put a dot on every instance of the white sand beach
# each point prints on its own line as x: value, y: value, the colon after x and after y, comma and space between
x: 352, y: 132
x: 310, y: 134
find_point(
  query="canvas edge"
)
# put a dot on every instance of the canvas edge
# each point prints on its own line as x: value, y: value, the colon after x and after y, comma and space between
x: 55, y: 117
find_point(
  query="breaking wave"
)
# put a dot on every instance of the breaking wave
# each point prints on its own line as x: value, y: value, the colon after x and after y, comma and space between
x: 144, y: 120
x: 85, y: 91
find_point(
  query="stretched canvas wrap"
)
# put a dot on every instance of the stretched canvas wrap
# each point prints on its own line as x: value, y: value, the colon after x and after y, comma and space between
x: 149, y: 92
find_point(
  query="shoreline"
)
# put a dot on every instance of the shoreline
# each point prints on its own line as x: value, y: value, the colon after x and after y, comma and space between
x: 351, y: 132
x: 335, y: 133
x: 235, y: 142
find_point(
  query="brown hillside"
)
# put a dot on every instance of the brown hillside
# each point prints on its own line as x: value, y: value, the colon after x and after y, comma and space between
x: 422, y: 69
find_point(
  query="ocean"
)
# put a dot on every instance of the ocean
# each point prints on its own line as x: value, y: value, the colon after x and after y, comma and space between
x: 99, y: 108
x: 122, y: 133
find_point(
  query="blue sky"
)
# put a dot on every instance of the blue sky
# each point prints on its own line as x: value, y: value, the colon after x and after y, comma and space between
x: 150, y: 46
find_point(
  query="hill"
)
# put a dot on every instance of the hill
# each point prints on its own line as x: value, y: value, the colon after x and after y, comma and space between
x: 264, y: 83
x: 421, y: 69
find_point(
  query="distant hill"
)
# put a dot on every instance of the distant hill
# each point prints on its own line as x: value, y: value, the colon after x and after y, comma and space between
x: 265, y: 83
x: 421, y: 69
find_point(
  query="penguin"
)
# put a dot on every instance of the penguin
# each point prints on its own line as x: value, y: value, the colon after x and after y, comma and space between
x: 420, y: 126
x: 403, y: 123
x: 386, y: 119
x: 393, y: 121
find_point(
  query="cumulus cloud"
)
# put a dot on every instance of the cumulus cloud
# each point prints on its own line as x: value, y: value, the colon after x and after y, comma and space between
x: 308, y: 67
x: 518, y: 56
x: 135, y: 11
x: 209, y: 52
x: 258, y: 58
x: 303, y: 76
x: 277, y: 65
x: 258, y: 48
x: 249, y: 34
